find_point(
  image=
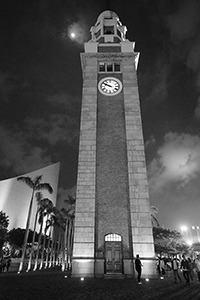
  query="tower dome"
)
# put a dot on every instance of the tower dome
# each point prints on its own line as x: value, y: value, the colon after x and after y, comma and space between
x: 108, y: 28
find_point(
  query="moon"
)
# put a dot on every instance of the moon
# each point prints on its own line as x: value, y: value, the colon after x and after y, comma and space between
x: 73, y: 35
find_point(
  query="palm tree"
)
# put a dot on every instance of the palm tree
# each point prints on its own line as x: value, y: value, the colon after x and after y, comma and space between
x: 50, y: 241
x: 36, y: 185
x: 68, y: 215
x: 38, y: 199
x: 41, y: 205
x: 154, y: 211
x: 55, y: 225
x: 48, y: 224
x: 47, y: 203
x: 61, y: 228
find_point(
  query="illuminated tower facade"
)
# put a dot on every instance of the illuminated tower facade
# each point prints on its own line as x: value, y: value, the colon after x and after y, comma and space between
x: 112, y: 220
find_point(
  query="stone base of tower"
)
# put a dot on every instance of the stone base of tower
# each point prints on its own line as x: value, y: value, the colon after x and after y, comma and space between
x: 99, y: 268
x: 83, y: 267
x: 128, y: 268
x: 149, y: 268
x: 96, y: 268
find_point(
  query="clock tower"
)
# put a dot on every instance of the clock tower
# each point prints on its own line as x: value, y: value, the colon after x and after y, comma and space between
x: 112, y: 218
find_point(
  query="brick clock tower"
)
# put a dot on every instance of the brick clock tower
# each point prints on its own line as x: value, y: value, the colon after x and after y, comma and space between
x: 112, y: 219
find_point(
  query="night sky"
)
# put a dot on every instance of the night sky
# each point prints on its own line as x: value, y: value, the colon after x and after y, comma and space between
x: 41, y: 82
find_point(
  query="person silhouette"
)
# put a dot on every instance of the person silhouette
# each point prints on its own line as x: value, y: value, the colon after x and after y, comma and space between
x: 185, y: 267
x: 138, y: 267
x: 175, y: 267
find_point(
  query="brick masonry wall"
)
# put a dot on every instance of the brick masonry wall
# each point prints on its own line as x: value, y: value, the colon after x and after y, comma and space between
x: 138, y: 185
x: 84, y: 236
x: 114, y: 199
x: 112, y: 194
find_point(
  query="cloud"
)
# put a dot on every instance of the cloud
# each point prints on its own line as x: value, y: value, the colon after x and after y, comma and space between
x: 184, y: 23
x: 60, y: 126
x: 150, y: 142
x: 77, y: 32
x: 184, y: 28
x: 156, y: 78
x: 63, y: 195
x: 62, y: 100
x: 178, y: 162
x: 55, y: 129
x: 18, y: 154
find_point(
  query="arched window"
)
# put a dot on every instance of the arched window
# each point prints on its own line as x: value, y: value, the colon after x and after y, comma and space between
x: 112, y: 237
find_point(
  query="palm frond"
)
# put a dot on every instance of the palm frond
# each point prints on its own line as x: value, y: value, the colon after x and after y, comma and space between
x: 44, y: 186
x: 37, y: 180
x: 26, y: 180
x: 38, y: 197
x: 71, y: 200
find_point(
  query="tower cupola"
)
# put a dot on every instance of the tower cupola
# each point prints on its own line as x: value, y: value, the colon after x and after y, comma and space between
x: 108, y: 28
x: 109, y: 35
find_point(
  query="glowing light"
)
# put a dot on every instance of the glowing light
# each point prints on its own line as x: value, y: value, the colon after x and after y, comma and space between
x: 83, y: 260
x: 76, y: 32
x: 147, y: 279
x: 184, y: 228
x: 189, y: 242
x: 161, y: 277
x: 65, y: 276
x: 73, y: 35
x: 82, y: 278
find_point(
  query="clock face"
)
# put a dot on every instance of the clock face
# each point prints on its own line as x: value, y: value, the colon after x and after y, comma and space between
x: 110, y: 86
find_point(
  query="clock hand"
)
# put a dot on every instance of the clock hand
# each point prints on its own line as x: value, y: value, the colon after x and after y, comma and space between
x: 107, y: 84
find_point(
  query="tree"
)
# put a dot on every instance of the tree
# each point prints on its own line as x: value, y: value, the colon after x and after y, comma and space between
x: 154, y: 211
x: 56, y: 217
x: 16, y: 238
x: 36, y: 185
x: 167, y: 240
x: 47, y: 226
x: 59, y: 228
x: 4, y: 222
x: 43, y: 212
x: 41, y: 206
x: 50, y: 238
x: 68, y: 215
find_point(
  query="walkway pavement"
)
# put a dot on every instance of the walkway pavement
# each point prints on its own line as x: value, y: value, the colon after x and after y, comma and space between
x: 51, y: 284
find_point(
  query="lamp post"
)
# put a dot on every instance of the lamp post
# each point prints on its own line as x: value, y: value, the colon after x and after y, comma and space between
x: 196, y: 228
x: 184, y: 230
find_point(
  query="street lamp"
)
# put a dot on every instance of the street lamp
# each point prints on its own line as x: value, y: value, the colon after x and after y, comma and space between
x: 184, y: 231
x: 197, y: 232
x: 184, y: 228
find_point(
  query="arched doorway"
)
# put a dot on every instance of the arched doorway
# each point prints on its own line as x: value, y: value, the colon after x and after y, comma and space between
x: 113, y: 253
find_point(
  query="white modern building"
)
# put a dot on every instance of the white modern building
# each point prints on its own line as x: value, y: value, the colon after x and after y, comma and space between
x: 15, y: 196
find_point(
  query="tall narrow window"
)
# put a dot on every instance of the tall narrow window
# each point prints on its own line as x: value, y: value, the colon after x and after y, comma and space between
x: 117, y: 67
x: 109, y: 67
x: 102, y: 67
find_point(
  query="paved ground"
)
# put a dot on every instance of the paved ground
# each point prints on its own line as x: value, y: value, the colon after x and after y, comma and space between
x: 52, y: 284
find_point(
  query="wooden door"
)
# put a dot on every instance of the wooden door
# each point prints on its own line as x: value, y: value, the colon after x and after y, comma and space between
x: 113, y: 254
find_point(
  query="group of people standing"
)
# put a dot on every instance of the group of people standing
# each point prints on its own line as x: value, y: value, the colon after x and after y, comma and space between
x: 187, y: 266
